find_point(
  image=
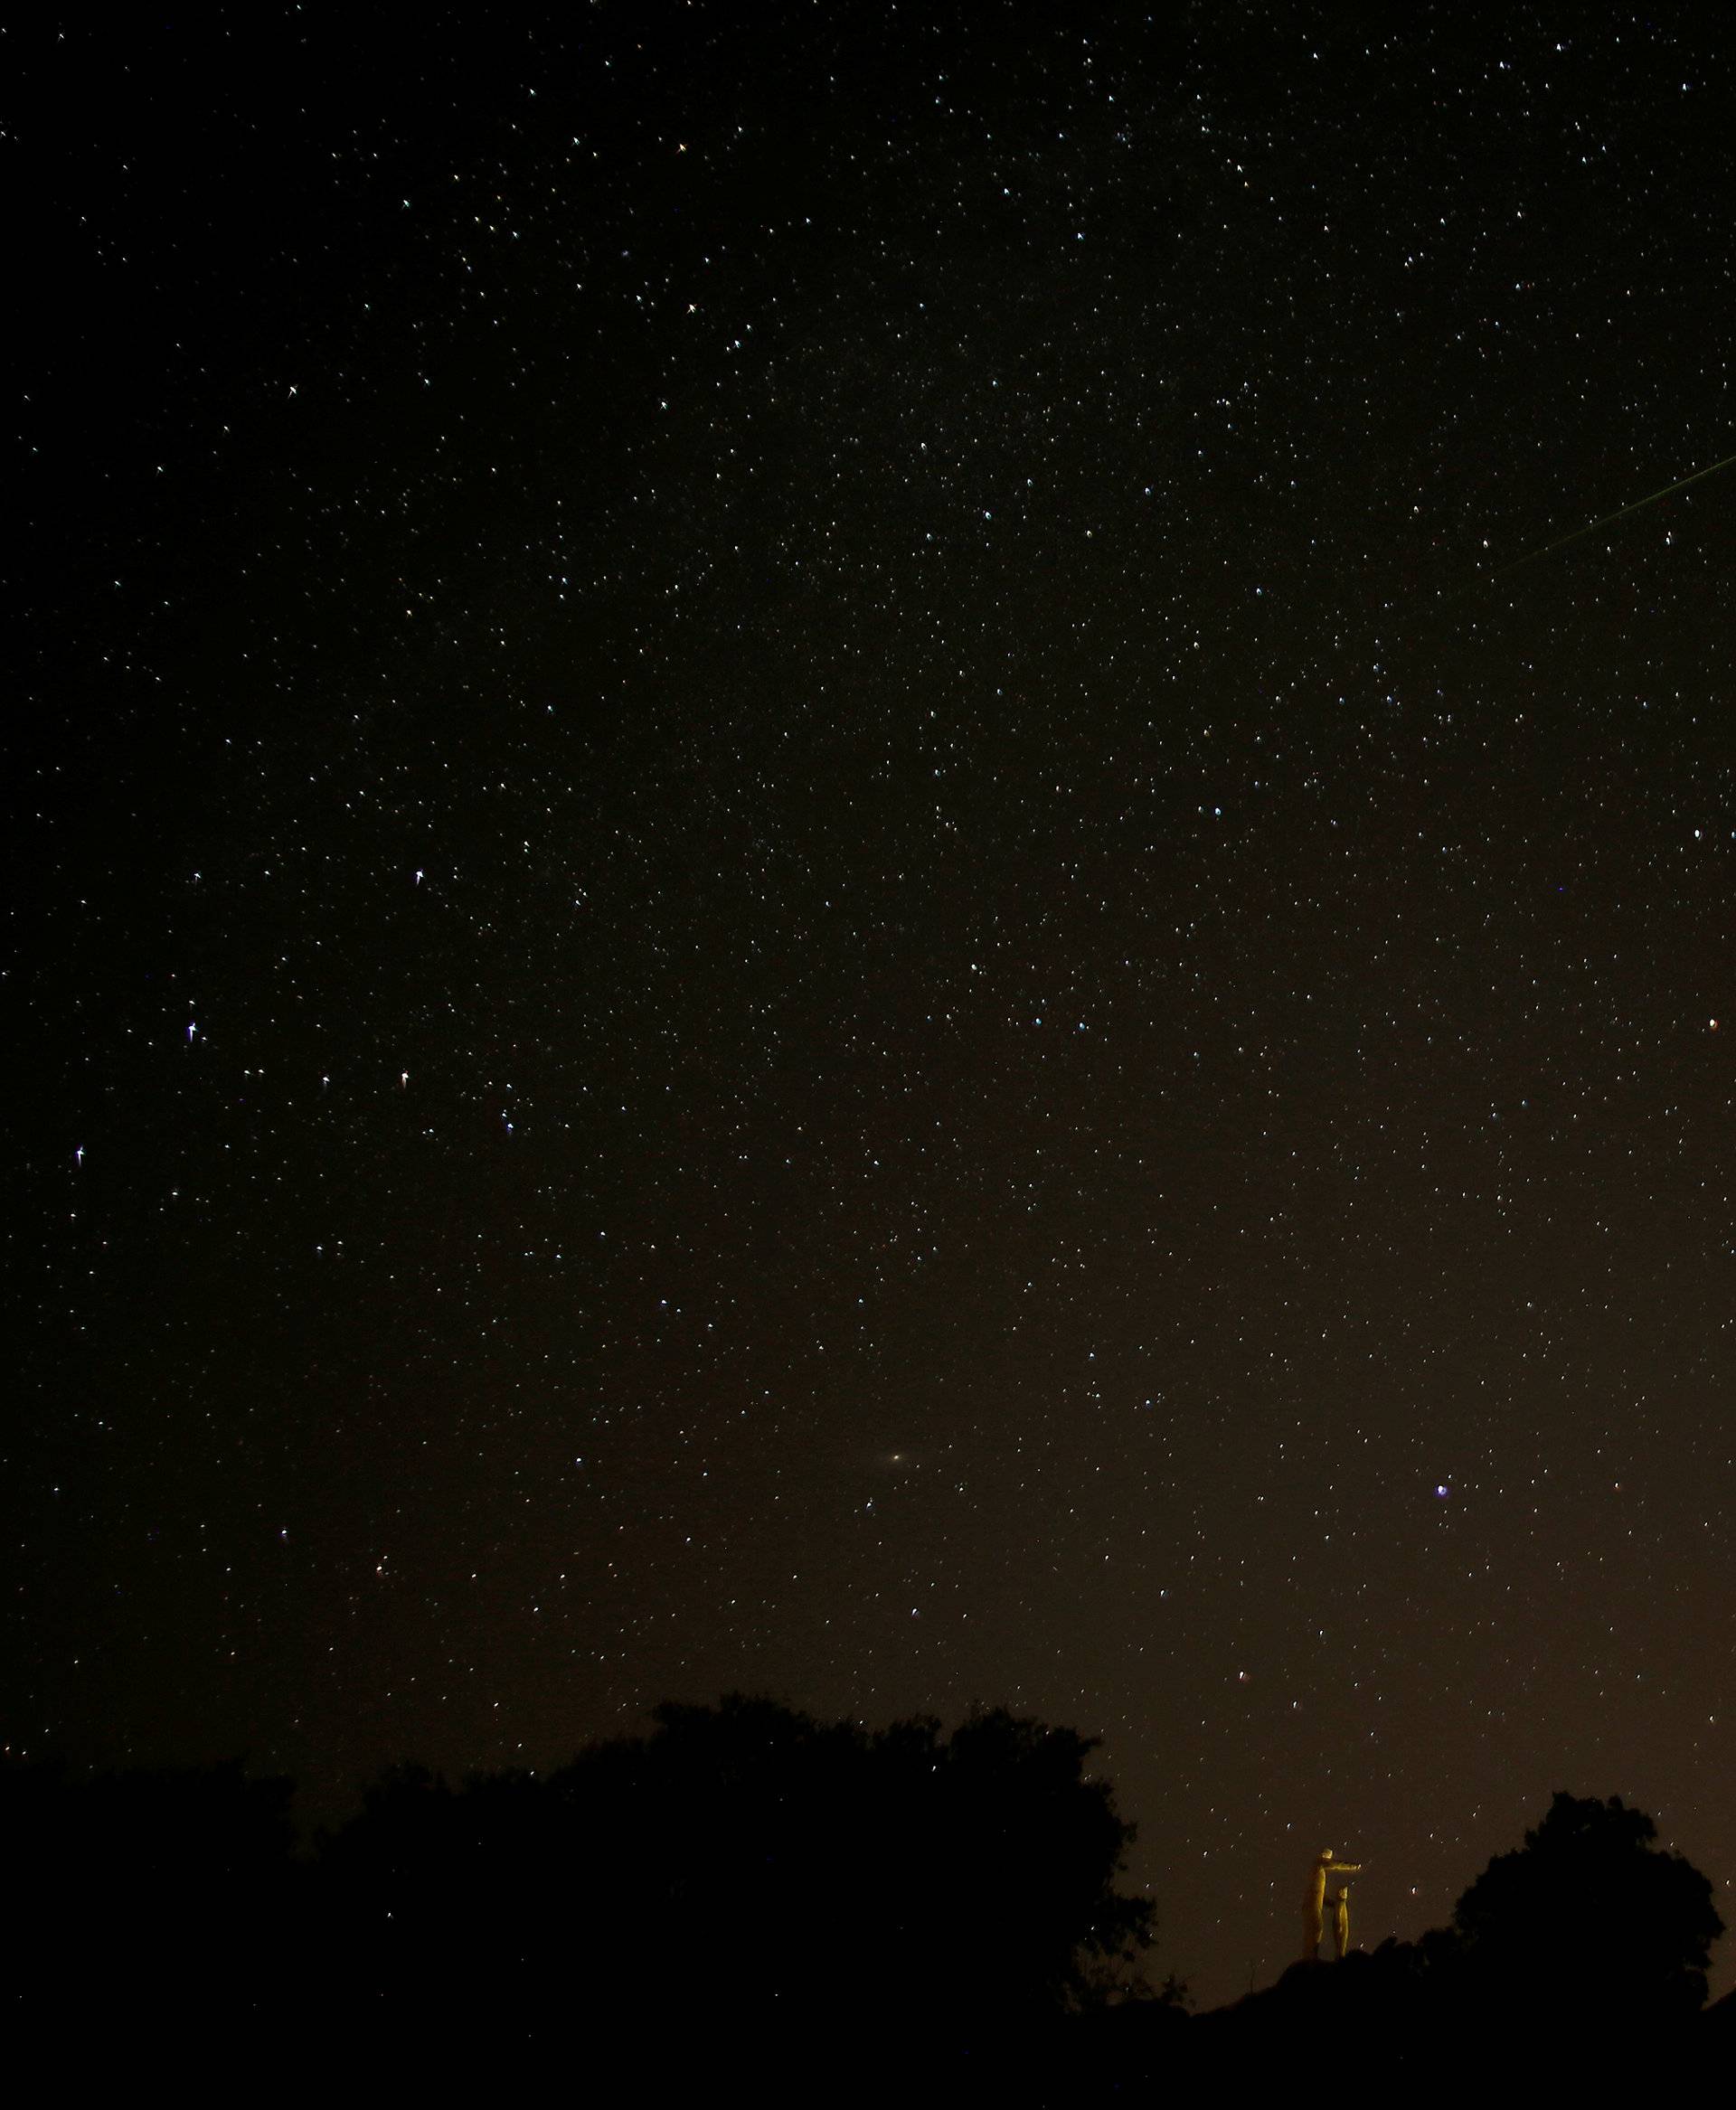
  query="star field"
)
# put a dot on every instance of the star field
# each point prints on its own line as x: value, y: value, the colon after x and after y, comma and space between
x: 798, y: 905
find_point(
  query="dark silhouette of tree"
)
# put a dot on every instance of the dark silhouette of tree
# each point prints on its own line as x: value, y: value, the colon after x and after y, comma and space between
x: 148, y: 1908
x: 1590, y: 1923
x: 748, y: 1895
x: 769, y: 1878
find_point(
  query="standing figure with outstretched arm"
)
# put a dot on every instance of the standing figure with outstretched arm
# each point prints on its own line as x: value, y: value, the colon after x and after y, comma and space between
x: 1314, y: 1900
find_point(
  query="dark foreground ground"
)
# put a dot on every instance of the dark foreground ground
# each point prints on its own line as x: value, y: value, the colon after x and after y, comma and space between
x: 1337, y: 2027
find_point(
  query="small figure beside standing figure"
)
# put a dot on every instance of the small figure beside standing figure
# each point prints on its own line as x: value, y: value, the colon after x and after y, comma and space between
x: 1340, y: 1922
x: 1315, y: 1901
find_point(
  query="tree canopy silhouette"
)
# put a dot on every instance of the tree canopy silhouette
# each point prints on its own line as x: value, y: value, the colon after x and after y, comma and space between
x: 1590, y: 1921
x: 759, y: 1870
x: 805, y: 1907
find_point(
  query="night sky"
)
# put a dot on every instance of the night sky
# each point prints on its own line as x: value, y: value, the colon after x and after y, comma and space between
x: 798, y: 905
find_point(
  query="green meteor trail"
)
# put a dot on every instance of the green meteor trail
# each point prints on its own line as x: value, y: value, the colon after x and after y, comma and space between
x: 1621, y: 513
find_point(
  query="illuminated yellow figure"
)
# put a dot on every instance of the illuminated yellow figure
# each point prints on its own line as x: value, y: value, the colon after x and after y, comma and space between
x: 1340, y: 1902
x: 1314, y: 1903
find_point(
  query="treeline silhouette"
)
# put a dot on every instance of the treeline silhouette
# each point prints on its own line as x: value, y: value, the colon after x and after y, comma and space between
x: 749, y: 1899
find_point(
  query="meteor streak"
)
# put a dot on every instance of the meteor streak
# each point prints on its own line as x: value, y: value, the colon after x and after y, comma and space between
x: 1621, y: 513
